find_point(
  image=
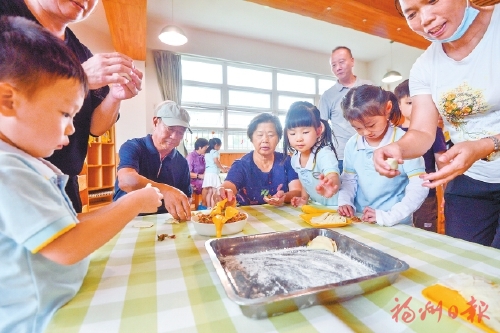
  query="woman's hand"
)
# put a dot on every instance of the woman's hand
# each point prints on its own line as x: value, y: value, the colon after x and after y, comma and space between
x: 382, y: 154
x: 346, y: 210
x: 457, y: 160
x: 278, y: 199
x: 222, y: 193
x: 298, y: 201
x: 104, y: 69
x: 327, y: 186
x: 369, y: 215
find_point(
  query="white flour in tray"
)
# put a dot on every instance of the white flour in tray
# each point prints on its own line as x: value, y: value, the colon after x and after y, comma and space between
x: 274, y: 272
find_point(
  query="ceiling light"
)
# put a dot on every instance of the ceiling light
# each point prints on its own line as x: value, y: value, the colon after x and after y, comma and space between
x: 171, y: 34
x: 391, y: 76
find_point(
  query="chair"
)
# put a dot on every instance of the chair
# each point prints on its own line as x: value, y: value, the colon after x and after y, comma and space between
x: 196, y: 199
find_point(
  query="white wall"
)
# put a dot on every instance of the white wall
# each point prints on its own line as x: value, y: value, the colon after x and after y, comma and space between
x: 136, y: 114
x: 216, y: 45
x: 402, y: 61
x: 133, y: 121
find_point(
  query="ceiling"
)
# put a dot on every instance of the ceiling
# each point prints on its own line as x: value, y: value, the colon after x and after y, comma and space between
x: 320, y: 25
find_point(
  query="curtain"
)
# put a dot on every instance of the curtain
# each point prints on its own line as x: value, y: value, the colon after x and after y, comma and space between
x: 169, y: 76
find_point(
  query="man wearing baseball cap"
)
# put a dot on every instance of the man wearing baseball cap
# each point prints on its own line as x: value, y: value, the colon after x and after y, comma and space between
x: 154, y: 160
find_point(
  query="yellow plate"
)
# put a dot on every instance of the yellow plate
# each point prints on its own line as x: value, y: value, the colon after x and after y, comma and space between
x: 308, y: 217
x: 313, y: 209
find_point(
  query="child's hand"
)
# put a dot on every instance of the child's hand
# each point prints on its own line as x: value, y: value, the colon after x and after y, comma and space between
x: 149, y: 198
x: 326, y: 187
x: 346, y: 210
x: 298, y: 201
x: 278, y: 199
x: 369, y: 215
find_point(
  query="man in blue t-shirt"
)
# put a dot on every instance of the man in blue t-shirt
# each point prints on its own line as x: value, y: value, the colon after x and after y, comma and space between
x: 155, y: 160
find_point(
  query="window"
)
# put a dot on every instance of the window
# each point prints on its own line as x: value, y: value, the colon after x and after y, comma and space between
x: 296, y: 83
x: 222, y: 97
x: 246, y: 77
x: 239, y: 119
x: 206, y: 118
x: 200, y: 95
x: 250, y: 99
x: 201, y: 71
x: 324, y: 84
x: 284, y: 101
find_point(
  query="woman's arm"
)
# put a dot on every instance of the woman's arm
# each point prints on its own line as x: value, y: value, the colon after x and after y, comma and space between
x: 459, y: 159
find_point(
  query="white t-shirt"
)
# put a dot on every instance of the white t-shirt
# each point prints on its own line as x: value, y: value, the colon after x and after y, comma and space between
x: 466, y: 92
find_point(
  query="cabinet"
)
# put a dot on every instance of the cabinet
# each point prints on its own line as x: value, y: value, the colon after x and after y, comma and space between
x: 99, y: 172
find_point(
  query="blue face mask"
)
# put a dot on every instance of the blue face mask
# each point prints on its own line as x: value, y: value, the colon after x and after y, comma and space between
x: 469, y: 16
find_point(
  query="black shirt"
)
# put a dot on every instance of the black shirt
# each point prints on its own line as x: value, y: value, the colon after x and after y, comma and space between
x: 71, y: 157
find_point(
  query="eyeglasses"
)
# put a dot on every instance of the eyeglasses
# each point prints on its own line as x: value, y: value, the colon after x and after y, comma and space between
x: 171, y: 130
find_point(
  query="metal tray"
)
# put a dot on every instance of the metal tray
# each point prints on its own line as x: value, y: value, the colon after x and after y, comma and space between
x: 386, y: 268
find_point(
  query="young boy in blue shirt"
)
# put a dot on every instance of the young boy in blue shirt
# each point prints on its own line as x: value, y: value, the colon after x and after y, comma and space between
x: 44, y: 244
x: 426, y: 216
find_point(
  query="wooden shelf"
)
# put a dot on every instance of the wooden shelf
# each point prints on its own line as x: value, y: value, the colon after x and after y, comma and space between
x: 99, y: 172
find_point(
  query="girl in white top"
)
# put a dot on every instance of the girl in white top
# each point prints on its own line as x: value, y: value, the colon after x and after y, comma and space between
x: 213, y: 167
x: 458, y: 77
x: 309, y: 139
x: 385, y: 201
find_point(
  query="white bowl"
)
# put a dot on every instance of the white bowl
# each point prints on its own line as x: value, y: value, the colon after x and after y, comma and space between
x: 208, y: 229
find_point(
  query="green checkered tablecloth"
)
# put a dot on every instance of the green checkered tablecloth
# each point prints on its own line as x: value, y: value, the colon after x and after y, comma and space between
x: 138, y: 284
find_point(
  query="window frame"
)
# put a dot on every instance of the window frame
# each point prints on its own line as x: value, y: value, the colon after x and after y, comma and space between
x: 225, y: 87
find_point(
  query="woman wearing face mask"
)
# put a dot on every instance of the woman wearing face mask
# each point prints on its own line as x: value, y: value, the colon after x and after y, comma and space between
x: 457, y: 77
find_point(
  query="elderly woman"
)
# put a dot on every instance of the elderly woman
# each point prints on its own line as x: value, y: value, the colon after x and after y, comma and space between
x: 263, y: 175
x: 196, y: 161
x: 457, y: 77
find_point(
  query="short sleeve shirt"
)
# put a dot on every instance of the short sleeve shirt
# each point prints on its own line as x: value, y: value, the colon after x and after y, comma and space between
x: 210, y: 157
x: 325, y: 162
x: 253, y: 184
x: 141, y: 155
x: 330, y: 109
x: 196, y: 164
x: 34, y: 211
x: 465, y: 92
